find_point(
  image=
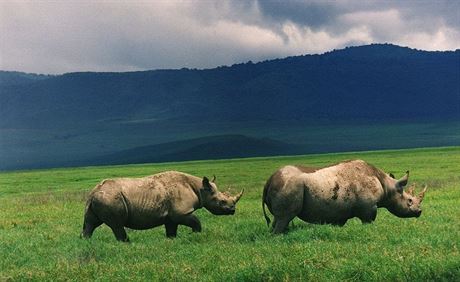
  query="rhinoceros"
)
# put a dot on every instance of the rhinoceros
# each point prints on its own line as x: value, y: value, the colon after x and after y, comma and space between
x: 334, y: 194
x: 167, y: 198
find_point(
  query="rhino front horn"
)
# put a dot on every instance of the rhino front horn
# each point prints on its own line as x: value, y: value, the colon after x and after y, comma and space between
x: 238, y: 196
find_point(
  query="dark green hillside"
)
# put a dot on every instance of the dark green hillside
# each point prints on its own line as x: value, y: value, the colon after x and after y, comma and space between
x: 212, y: 147
x: 14, y: 78
x: 367, y: 82
x: 322, y: 102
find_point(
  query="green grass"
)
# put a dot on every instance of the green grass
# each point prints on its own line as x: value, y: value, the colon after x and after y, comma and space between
x: 41, y: 216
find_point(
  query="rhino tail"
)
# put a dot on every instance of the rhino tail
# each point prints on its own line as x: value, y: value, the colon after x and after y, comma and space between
x: 264, y: 196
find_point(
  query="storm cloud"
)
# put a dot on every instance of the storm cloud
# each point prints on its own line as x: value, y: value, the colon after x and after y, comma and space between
x: 68, y: 36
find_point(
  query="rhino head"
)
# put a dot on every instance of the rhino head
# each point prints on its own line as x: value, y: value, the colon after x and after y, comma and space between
x: 217, y: 202
x: 403, y: 203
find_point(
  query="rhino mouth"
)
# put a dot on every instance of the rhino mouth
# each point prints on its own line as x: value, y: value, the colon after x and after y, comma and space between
x: 223, y: 212
x: 229, y: 212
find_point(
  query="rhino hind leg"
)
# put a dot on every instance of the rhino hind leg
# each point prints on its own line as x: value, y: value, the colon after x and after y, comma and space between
x: 280, y: 224
x: 88, y: 229
x: 91, y: 222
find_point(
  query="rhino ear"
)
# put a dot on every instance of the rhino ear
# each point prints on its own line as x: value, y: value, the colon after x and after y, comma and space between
x: 206, y: 185
x: 402, y: 182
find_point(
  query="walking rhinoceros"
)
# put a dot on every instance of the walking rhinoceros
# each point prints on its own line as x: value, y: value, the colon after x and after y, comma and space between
x: 167, y: 198
x: 335, y: 194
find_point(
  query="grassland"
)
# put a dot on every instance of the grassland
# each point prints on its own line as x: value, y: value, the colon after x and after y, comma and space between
x: 41, y: 216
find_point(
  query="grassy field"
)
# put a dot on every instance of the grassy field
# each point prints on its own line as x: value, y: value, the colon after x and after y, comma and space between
x: 41, y: 214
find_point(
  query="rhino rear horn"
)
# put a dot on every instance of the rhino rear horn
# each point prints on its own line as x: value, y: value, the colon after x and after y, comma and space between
x: 238, y: 196
x: 411, y: 189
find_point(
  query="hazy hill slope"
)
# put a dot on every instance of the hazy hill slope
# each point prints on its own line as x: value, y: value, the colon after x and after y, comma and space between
x: 212, y: 147
x: 375, y: 81
x: 358, y: 98
x: 10, y: 78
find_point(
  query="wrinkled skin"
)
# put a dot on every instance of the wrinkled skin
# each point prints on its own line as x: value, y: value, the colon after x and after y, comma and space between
x: 334, y: 194
x: 167, y: 198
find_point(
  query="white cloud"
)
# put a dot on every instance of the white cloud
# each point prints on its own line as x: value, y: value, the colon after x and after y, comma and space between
x: 57, y: 37
x: 444, y: 38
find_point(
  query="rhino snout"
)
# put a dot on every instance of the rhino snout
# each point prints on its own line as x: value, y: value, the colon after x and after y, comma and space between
x: 230, y: 210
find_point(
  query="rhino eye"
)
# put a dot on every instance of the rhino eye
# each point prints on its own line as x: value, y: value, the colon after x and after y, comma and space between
x: 410, y: 202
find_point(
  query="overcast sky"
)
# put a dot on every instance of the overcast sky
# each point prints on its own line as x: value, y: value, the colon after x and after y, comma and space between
x: 67, y: 36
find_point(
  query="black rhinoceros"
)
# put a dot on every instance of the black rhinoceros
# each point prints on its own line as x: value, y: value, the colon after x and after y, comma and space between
x: 335, y: 194
x: 167, y: 198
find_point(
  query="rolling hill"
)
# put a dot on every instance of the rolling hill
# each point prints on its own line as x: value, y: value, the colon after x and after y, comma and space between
x: 211, y: 147
x: 76, y: 116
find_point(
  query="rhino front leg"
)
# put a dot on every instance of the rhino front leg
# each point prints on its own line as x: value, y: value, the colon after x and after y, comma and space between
x: 368, y: 215
x: 120, y: 233
x: 171, y: 229
x: 191, y: 221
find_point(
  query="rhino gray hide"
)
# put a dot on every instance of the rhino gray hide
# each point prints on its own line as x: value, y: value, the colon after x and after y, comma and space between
x: 335, y: 194
x: 167, y: 198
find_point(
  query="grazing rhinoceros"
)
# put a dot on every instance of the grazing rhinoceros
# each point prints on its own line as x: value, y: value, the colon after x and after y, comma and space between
x: 335, y: 194
x: 168, y: 198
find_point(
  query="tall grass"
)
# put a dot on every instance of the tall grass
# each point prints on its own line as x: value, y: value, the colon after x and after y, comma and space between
x: 41, y: 214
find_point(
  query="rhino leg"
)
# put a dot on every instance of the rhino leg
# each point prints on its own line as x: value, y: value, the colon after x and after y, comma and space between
x: 120, y: 233
x: 189, y: 220
x: 285, y: 205
x: 91, y: 222
x: 110, y: 208
x: 280, y: 224
x: 171, y: 229
x: 367, y: 215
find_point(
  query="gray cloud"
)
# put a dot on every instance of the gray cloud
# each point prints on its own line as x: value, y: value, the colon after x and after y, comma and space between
x: 65, y: 36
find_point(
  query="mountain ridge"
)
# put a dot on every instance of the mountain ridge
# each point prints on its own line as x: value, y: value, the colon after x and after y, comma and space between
x: 372, y: 84
x: 346, y: 48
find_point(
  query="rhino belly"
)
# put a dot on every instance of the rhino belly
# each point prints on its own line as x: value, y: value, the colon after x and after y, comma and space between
x: 324, y: 211
x: 146, y: 218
